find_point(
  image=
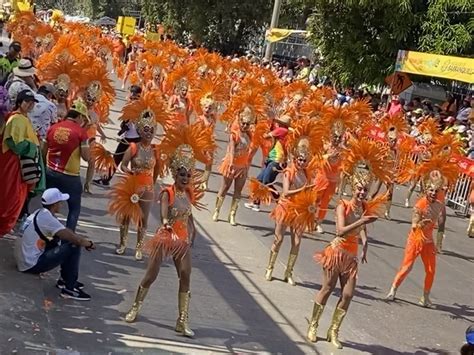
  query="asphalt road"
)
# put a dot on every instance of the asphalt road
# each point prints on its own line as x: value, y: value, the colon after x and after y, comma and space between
x: 233, y: 309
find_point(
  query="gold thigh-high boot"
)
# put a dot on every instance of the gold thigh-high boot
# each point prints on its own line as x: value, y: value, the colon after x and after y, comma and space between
x: 132, y: 314
x: 289, y: 269
x: 470, y: 227
x: 312, y: 335
x: 388, y: 206
x: 123, y: 239
x: 217, y: 209
x: 233, y: 211
x: 182, y: 325
x: 140, y: 241
x: 333, y: 331
x: 271, y: 265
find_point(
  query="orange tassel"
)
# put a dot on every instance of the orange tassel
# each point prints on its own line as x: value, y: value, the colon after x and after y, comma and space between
x: 124, y: 199
x: 376, y: 206
x: 104, y: 160
x: 260, y: 192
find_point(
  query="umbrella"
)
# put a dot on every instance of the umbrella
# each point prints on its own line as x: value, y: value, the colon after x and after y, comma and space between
x: 105, y: 21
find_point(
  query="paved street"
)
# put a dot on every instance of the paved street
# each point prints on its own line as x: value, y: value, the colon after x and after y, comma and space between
x: 233, y: 309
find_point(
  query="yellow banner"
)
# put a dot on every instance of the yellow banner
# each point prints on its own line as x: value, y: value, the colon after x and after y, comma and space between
x: 441, y: 66
x: 126, y: 25
x: 278, y: 34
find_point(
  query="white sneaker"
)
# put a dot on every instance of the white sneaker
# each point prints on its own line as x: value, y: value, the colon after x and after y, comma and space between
x: 249, y: 205
x: 256, y: 208
x: 319, y: 229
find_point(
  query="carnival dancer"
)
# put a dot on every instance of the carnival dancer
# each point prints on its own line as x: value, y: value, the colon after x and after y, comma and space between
x: 141, y: 163
x: 304, y: 145
x: 206, y: 98
x: 97, y: 87
x: 394, y: 128
x: 420, y: 239
x: 364, y: 160
x: 337, y: 121
x: 427, y: 131
x: 245, y: 108
x: 177, y: 233
x: 178, y: 102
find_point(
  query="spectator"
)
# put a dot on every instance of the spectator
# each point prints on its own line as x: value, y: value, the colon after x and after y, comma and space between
x: 20, y: 143
x: 276, y: 159
x: 9, y: 61
x: 66, y: 144
x: 449, y: 106
x: 23, y: 78
x: 45, y: 112
x: 38, y: 249
x: 395, y: 107
x: 304, y: 69
x: 416, y: 103
x: 288, y: 72
x: 464, y: 111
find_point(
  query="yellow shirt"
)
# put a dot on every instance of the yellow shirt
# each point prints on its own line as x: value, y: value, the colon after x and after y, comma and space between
x: 19, y: 128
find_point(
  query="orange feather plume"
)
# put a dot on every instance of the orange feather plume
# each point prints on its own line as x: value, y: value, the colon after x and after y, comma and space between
x: 369, y: 153
x: 199, y: 137
x: 298, y: 211
x: 314, y: 108
x: 124, y: 198
x: 394, y: 122
x: 309, y: 129
x: 448, y: 169
x: 377, y: 205
x: 97, y: 71
x: 361, y: 110
x: 149, y: 101
x: 104, y: 160
x: 447, y: 144
x: 183, y: 72
x: 429, y: 126
x: 260, y: 192
x: 214, y: 89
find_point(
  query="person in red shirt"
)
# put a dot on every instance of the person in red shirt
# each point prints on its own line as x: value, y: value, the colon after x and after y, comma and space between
x: 395, y: 106
x: 66, y: 144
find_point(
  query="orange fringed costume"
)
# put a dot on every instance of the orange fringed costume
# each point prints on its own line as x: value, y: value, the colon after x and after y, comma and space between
x: 238, y: 164
x: 342, y: 258
x: 420, y: 243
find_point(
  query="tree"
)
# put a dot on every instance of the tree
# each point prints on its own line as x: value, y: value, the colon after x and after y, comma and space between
x: 226, y: 26
x: 359, y: 39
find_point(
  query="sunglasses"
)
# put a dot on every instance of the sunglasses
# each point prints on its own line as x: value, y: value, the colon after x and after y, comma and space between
x: 184, y: 174
x: 302, y: 160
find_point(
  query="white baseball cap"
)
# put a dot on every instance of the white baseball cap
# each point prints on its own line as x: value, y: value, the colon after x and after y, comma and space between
x: 52, y: 196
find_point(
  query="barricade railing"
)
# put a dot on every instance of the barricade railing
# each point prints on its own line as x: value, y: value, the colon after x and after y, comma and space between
x: 458, y: 197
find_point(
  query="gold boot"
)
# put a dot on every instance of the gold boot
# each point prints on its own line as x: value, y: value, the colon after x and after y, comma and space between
x: 205, y: 179
x: 123, y: 239
x: 333, y: 331
x: 391, y: 294
x: 233, y: 211
x: 289, y: 269
x: 217, y: 210
x: 312, y: 335
x: 140, y: 241
x: 271, y: 265
x: 182, y: 325
x: 439, y: 242
x: 425, y: 300
x: 132, y: 314
x: 470, y: 228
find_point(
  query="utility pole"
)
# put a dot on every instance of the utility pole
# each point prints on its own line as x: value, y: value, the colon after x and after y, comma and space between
x: 273, y: 24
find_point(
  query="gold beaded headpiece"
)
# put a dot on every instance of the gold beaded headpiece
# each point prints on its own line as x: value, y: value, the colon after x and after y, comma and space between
x: 182, y: 158
x: 147, y: 119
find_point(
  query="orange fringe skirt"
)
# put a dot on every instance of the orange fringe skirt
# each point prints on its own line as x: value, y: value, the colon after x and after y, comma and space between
x: 174, y: 242
x: 236, y: 171
x: 337, y: 260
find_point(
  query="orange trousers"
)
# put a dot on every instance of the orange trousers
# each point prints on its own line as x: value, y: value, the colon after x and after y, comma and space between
x: 428, y: 256
x: 325, y: 199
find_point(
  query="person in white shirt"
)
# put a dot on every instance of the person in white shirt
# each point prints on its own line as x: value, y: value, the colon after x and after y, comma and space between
x: 45, y: 112
x: 22, y: 78
x: 38, y: 249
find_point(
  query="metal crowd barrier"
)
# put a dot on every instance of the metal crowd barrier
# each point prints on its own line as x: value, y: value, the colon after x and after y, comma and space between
x: 458, y: 197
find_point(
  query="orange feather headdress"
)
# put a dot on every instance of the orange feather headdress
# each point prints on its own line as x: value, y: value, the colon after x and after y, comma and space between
x: 209, y: 91
x: 64, y: 71
x: 96, y: 81
x: 393, y: 126
x: 149, y: 109
x: 180, y: 77
x: 365, y: 160
x: 249, y: 103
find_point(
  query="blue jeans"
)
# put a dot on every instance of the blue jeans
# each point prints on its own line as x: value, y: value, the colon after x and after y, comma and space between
x: 269, y: 173
x: 67, y: 256
x: 67, y: 184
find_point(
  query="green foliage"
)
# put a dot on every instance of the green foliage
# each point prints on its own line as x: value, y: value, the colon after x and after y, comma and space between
x: 359, y: 39
x: 222, y: 25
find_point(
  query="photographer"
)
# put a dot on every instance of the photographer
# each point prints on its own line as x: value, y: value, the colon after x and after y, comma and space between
x: 39, y: 250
